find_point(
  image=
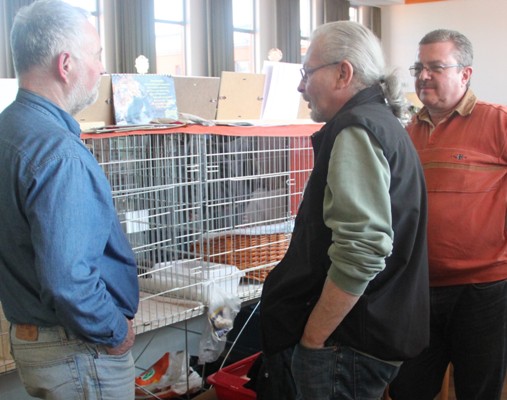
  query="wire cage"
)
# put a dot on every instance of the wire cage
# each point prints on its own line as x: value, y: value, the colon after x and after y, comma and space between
x: 202, y: 213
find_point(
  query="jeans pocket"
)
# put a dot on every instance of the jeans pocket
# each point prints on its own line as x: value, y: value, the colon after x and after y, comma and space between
x: 58, y: 378
x: 313, y: 371
x: 116, y: 375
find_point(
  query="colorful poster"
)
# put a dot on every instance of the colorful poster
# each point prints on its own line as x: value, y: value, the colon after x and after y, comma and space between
x: 140, y: 99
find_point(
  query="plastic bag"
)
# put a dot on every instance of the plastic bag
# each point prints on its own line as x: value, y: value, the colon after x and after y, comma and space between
x: 222, y: 310
x: 169, y: 377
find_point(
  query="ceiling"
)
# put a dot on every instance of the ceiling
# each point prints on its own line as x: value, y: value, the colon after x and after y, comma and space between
x: 375, y: 3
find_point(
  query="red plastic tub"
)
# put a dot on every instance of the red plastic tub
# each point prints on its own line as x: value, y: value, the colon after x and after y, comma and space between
x: 229, y: 380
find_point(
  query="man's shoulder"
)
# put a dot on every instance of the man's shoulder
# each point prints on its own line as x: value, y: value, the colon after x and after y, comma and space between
x: 487, y: 107
x: 37, y: 138
x: 28, y: 128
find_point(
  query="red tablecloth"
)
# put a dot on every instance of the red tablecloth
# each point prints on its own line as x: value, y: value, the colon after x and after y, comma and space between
x: 271, y: 130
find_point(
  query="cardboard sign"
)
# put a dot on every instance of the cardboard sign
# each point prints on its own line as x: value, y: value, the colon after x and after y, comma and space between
x: 240, y: 96
x: 197, y: 95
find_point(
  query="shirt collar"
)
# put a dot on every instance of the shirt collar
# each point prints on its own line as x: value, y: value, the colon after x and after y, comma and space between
x: 463, y: 108
x: 50, y: 109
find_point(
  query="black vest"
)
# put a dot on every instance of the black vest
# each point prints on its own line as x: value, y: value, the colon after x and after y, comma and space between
x: 391, y: 319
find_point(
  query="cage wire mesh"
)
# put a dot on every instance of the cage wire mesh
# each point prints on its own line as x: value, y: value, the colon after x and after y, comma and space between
x: 202, y: 213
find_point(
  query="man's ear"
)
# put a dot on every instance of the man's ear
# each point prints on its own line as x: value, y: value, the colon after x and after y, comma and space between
x: 346, y: 71
x: 467, y: 74
x: 64, y: 66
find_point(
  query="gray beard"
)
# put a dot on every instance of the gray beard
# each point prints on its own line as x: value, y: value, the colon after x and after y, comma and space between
x: 79, y: 98
x: 316, y: 116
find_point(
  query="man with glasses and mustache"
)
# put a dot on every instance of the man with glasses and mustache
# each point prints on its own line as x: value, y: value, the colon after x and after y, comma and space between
x: 351, y: 294
x: 68, y: 277
x: 462, y: 145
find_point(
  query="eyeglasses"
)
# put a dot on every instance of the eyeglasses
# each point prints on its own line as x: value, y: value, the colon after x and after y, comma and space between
x: 305, y: 73
x: 416, y: 69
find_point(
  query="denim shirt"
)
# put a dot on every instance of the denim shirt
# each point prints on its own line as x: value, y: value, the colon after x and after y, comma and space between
x: 64, y: 258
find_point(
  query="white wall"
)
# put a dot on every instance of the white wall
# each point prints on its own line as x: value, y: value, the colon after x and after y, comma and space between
x: 484, y: 22
x: 267, y: 25
x: 197, y: 39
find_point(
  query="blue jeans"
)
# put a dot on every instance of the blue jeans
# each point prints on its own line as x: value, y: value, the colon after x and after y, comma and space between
x: 468, y: 329
x: 59, y: 366
x: 339, y: 372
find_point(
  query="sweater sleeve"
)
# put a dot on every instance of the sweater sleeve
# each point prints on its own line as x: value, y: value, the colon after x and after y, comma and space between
x: 357, y: 208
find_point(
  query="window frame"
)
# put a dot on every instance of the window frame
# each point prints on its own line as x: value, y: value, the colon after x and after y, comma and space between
x: 311, y: 5
x: 253, y: 33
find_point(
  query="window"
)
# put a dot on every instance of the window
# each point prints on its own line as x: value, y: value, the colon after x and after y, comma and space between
x: 306, y: 21
x: 243, y: 16
x: 354, y: 13
x: 94, y: 7
x: 170, y: 25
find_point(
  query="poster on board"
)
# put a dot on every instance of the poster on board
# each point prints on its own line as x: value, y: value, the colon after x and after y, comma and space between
x: 142, y: 98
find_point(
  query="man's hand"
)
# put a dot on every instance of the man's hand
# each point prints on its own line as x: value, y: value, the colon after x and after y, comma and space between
x: 127, y: 343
